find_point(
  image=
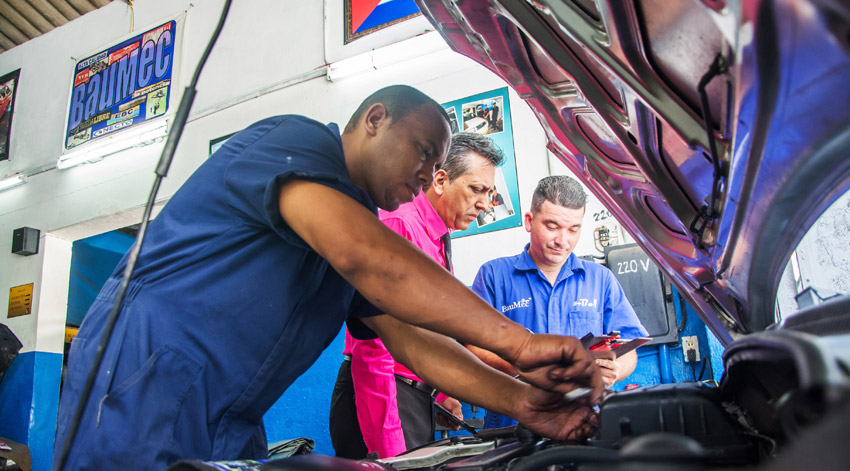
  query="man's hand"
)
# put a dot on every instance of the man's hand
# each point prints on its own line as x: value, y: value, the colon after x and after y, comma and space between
x: 557, y: 363
x: 614, y: 369
x: 608, y: 366
x: 453, y: 406
x: 549, y: 414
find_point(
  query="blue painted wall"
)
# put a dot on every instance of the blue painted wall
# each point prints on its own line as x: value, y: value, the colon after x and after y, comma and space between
x: 16, y: 398
x: 29, y: 400
x: 92, y: 261
x: 303, y: 409
x: 649, y: 367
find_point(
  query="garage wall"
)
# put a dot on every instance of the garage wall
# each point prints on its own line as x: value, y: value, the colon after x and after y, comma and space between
x: 265, y: 45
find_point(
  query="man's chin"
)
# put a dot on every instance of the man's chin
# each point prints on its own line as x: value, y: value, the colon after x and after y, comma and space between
x: 390, y: 205
x: 392, y: 201
x: 557, y: 258
x: 462, y: 226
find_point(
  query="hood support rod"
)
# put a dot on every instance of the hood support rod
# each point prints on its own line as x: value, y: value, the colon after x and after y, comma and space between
x: 709, y: 213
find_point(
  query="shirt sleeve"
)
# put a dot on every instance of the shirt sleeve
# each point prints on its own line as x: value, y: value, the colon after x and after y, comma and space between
x: 274, y: 151
x: 359, y: 309
x: 619, y: 314
x: 484, y: 284
x: 375, y: 397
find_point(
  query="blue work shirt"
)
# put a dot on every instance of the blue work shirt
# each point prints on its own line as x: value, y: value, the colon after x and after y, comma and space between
x: 585, y: 298
x: 227, y: 307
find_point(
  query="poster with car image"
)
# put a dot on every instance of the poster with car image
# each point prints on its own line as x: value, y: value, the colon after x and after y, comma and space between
x: 8, y: 86
x: 489, y: 114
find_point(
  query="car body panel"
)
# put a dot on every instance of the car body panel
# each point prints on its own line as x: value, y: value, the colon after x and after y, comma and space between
x: 616, y: 87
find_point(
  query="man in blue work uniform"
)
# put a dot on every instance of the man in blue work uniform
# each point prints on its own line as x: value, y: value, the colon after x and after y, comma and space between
x: 248, y: 273
x: 547, y: 289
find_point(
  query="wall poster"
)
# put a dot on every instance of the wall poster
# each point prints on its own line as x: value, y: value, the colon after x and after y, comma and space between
x: 8, y: 87
x: 122, y: 86
x: 489, y: 114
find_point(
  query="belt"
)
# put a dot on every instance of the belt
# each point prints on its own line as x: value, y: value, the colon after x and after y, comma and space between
x: 418, y: 385
x: 412, y: 383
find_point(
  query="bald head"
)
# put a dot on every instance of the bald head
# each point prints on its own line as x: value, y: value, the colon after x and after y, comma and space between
x: 398, y: 100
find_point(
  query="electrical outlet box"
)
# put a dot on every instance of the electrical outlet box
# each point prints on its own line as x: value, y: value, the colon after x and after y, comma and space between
x: 688, y: 344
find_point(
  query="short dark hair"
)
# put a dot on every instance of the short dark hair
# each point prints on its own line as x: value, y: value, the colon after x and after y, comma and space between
x: 457, y: 162
x: 561, y: 190
x: 399, y: 101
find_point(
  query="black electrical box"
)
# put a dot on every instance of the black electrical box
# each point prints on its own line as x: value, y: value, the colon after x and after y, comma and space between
x: 25, y: 241
x: 645, y: 289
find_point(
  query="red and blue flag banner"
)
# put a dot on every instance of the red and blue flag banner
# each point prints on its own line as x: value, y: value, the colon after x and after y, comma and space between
x: 363, y: 17
x: 122, y: 86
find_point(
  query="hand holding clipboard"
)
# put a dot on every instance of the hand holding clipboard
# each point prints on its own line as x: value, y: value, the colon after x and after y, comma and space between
x: 612, y: 342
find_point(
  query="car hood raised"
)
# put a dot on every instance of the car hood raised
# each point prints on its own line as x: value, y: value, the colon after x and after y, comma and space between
x: 616, y: 86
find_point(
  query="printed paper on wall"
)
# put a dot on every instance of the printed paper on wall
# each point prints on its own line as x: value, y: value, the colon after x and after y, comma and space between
x: 122, y: 86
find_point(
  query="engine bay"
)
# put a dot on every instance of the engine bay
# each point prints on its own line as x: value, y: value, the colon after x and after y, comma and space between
x: 782, y: 404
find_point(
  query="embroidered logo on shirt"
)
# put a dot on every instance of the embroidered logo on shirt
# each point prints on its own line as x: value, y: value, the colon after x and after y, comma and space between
x: 524, y: 302
x: 585, y: 302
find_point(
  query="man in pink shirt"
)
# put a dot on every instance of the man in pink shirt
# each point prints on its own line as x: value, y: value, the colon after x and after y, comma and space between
x: 392, y: 405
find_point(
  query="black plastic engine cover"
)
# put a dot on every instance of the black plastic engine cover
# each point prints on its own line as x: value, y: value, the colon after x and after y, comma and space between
x: 690, y: 409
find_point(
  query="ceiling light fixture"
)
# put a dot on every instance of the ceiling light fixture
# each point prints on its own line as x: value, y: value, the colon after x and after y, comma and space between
x: 141, y: 136
x: 11, y: 181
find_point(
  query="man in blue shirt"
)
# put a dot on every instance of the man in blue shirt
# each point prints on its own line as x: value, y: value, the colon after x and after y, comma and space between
x: 547, y: 289
x: 248, y: 273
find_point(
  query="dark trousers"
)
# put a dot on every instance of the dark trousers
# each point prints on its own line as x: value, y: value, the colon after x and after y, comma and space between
x: 414, y: 410
x: 344, y: 428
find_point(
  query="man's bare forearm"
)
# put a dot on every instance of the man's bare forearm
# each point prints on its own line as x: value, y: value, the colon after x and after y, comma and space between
x: 492, y: 360
x: 392, y: 273
x: 446, y: 365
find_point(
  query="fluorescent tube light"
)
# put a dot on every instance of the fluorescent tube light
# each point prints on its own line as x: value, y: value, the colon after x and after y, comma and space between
x: 144, y: 135
x: 386, y: 56
x: 12, y: 181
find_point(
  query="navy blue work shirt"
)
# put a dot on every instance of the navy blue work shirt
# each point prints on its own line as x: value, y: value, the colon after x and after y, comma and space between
x: 227, y: 307
x: 585, y: 298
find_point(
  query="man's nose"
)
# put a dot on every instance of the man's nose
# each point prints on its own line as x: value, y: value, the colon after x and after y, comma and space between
x: 426, y: 177
x: 559, y: 238
x: 482, y: 202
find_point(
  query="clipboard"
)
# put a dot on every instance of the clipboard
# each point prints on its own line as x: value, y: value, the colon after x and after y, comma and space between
x: 612, y: 342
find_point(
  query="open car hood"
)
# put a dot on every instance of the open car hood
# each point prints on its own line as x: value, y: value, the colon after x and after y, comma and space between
x: 720, y: 203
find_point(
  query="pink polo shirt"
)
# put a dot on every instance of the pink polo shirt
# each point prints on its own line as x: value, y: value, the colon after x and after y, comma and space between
x: 372, y: 366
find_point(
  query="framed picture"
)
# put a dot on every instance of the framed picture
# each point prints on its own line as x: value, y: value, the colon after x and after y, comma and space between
x: 363, y: 17
x: 8, y: 87
x: 216, y: 143
x: 355, y: 27
x: 489, y: 114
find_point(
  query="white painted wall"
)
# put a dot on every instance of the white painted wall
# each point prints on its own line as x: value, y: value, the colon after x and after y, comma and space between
x: 265, y: 43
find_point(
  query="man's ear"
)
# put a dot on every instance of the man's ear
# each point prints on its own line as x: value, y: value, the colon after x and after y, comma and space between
x: 441, y: 179
x: 374, y: 118
x: 529, y: 217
